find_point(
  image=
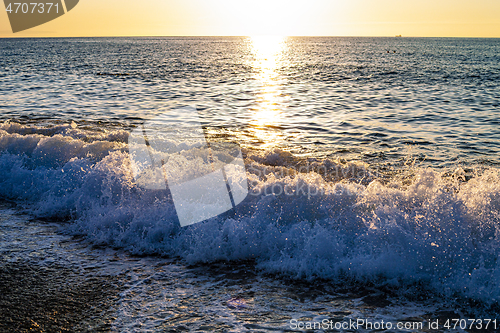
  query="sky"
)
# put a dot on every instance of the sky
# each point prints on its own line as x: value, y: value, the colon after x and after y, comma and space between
x: 423, y: 18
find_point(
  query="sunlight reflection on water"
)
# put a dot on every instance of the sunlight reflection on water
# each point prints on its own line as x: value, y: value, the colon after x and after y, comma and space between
x: 267, y: 116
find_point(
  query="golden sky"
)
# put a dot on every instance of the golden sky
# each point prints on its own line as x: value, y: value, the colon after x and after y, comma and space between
x: 426, y: 18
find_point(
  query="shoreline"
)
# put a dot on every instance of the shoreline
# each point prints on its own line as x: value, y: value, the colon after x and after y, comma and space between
x: 35, y: 298
x: 65, y: 285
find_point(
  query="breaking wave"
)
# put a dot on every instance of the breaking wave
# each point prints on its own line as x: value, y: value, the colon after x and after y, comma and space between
x: 303, y: 218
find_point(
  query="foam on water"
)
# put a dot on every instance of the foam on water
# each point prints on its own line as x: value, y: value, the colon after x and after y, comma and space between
x: 427, y: 229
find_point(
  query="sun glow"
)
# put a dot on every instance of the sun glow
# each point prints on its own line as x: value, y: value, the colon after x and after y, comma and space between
x: 425, y: 18
x: 264, y: 17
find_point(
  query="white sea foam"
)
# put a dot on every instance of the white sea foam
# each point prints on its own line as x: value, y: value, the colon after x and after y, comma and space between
x: 434, y: 230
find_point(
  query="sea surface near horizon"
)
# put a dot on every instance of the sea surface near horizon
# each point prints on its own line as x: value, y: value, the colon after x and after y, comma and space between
x: 372, y: 163
x: 370, y: 99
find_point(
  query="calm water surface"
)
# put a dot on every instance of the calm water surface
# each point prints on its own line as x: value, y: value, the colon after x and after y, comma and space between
x: 371, y: 99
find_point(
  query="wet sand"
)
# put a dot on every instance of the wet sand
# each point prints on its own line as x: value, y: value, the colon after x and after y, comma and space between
x: 223, y: 298
x: 53, y: 299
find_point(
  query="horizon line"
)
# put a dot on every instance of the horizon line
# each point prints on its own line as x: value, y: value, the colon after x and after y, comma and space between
x: 243, y: 36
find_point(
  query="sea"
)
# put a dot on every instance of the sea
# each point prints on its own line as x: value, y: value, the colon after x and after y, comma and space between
x: 372, y: 167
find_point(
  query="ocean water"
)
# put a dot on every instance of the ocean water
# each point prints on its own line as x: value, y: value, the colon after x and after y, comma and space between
x: 371, y: 162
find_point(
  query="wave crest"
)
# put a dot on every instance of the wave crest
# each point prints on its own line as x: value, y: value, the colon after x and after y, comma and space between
x: 434, y: 229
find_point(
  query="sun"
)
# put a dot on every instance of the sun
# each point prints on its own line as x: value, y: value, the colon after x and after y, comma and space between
x: 261, y: 17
